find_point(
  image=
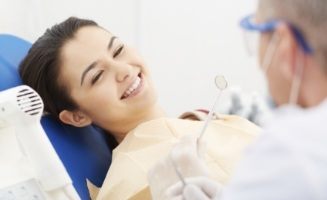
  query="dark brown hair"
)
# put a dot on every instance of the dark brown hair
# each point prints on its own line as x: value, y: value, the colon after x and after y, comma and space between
x: 40, y: 68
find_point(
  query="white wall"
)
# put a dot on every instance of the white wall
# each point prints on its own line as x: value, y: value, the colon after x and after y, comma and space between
x: 188, y: 42
x: 30, y: 18
x: 185, y: 42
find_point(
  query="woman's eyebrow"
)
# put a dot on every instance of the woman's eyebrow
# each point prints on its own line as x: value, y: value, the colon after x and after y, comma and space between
x: 91, y: 66
x: 111, y: 42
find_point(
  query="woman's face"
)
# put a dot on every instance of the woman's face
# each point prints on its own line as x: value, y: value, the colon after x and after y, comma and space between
x: 108, y: 80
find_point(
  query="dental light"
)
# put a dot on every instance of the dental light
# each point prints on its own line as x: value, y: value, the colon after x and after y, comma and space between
x: 29, y: 167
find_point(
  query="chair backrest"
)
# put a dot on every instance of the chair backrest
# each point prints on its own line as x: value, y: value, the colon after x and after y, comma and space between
x: 85, y: 152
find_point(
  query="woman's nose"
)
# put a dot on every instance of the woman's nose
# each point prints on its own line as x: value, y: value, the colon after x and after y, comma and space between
x: 123, y: 71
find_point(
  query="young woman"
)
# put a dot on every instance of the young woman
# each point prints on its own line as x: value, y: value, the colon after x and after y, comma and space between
x: 86, y: 75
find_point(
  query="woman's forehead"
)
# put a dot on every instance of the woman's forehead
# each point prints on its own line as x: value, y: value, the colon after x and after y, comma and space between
x: 88, y: 44
x: 90, y: 36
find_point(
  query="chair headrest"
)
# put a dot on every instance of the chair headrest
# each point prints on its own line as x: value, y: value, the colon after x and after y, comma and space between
x: 12, y: 51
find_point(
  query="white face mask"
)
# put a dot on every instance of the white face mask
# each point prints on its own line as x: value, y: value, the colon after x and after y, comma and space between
x: 296, y: 82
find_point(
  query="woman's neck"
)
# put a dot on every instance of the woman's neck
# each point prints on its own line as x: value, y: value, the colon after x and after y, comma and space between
x: 155, y: 113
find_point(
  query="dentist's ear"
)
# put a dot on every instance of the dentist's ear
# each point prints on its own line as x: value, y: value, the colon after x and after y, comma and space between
x: 75, y: 118
x: 288, y: 51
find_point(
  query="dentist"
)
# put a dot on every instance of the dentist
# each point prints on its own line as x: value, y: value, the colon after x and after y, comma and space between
x: 289, y: 159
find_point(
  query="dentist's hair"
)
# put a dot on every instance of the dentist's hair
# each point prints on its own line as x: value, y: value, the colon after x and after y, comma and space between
x: 41, y: 66
x: 309, y: 16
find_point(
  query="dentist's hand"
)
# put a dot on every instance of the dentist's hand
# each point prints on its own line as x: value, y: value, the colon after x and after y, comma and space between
x: 187, y: 156
x: 197, y: 188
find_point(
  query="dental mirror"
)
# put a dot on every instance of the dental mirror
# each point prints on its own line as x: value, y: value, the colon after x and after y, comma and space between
x: 221, y: 85
x: 221, y: 82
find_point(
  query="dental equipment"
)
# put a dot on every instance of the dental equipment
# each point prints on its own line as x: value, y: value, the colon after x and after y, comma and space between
x: 221, y: 84
x: 31, y: 168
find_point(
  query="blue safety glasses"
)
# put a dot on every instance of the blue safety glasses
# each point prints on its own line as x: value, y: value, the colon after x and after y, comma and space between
x: 250, y: 27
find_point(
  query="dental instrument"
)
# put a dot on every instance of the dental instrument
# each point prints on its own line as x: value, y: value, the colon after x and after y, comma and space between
x: 31, y: 169
x: 221, y: 85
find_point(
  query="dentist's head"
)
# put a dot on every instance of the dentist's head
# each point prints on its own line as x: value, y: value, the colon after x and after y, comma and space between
x: 293, y: 49
x: 87, y: 75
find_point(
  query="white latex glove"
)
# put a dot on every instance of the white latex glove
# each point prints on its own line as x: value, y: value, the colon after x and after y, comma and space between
x: 189, y: 162
x: 197, y: 188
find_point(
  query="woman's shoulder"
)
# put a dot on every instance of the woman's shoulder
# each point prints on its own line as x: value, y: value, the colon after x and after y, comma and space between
x: 223, y: 119
x: 196, y: 115
x: 191, y: 119
x: 190, y: 122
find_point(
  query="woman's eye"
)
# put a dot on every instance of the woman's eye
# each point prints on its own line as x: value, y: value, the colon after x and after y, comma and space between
x: 118, y: 51
x: 96, y: 77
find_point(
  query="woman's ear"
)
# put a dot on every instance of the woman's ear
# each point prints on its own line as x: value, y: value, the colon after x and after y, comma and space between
x: 75, y: 118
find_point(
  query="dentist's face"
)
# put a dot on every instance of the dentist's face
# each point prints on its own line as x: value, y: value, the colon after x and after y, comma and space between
x: 278, y: 85
x: 108, y: 80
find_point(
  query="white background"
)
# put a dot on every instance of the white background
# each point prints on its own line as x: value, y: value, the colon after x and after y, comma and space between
x: 185, y: 42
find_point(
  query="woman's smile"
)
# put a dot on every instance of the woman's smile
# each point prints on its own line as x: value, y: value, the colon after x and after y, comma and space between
x: 135, y: 88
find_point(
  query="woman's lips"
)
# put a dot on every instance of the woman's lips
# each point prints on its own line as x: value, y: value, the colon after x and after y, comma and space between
x: 135, y: 88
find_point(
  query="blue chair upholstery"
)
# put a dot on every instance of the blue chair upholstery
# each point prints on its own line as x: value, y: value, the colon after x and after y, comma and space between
x: 85, y: 152
x: 12, y: 50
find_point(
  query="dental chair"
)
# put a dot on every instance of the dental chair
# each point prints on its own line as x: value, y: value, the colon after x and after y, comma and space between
x: 85, y: 152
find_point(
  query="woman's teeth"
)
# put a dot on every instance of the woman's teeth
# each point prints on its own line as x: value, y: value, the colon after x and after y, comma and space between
x: 130, y: 90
